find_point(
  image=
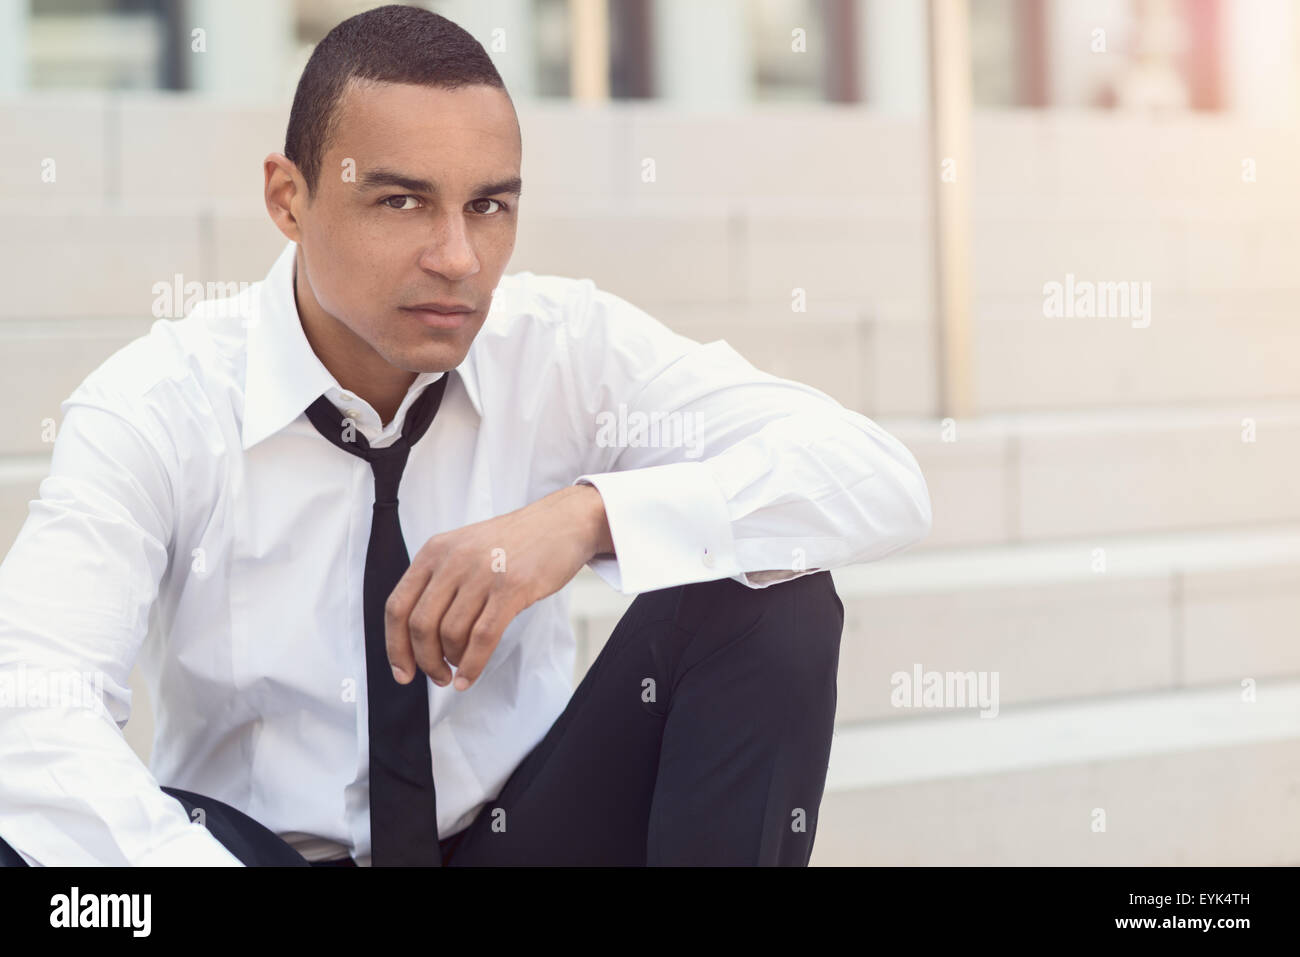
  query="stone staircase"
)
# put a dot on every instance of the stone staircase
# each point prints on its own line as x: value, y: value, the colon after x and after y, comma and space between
x: 1116, y: 535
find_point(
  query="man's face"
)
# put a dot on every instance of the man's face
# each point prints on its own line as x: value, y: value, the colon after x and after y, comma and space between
x: 374, y: 247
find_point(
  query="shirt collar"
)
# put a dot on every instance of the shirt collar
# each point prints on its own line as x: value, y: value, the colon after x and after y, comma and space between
x: 284, y: 375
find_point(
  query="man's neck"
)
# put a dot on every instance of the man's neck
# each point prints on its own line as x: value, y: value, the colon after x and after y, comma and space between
x: 358, y: 368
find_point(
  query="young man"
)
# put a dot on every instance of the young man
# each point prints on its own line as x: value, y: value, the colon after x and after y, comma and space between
x: 223, y: 505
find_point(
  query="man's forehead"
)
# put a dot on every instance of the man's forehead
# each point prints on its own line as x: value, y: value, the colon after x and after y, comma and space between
x: 398, y: 112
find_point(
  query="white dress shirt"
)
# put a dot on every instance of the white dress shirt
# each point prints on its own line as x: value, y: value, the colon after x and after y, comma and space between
x: 194, y: 521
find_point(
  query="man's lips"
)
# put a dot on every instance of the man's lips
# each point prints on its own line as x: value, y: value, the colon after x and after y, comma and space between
x: 440, y: 317
x: 446, y: 308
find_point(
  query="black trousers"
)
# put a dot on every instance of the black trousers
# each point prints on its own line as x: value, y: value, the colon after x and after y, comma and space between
x: 700, y: 735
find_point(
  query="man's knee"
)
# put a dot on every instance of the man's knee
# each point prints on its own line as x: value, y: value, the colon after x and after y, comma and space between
x: 807, y: 619
x: 792, y: 627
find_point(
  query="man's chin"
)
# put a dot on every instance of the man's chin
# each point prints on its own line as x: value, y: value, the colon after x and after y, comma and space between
x: 431, y: 357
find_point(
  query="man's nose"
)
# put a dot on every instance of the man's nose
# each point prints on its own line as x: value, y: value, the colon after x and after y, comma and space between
x: 449, y: 251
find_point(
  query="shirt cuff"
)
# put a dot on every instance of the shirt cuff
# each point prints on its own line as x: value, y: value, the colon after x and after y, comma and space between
x: 670, y: 525
x: 193, y: 848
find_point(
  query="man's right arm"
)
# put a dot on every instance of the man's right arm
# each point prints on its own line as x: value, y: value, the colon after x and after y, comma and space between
x: 75, y: 593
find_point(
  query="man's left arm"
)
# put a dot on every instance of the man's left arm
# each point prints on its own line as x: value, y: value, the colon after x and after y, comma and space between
x: 709, y: 468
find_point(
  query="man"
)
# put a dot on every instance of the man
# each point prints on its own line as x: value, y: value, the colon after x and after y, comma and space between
x: 223, y: 504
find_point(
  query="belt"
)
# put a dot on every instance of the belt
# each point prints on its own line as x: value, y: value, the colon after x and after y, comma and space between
x: 447, y: 845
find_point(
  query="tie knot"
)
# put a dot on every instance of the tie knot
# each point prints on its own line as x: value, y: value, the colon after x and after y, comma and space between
x: 325, y: 416
x: 387, y: 462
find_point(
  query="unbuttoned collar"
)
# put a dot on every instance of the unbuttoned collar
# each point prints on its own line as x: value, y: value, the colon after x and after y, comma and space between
x: 284, y: 375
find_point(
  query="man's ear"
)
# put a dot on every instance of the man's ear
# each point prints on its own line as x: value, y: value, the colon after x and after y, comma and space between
x: 285, y: 192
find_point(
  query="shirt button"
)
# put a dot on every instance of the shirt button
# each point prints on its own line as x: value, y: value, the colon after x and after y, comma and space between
x: 352, y: 414
x: 347, y: 396
x: 707, y: 559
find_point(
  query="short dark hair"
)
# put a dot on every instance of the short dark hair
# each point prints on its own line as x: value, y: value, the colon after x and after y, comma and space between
x: 391, y: 44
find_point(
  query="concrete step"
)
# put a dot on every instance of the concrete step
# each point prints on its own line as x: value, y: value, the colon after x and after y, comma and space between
x: 1050, y: 622
x: 1176, y: 778
x: 1037, y: 477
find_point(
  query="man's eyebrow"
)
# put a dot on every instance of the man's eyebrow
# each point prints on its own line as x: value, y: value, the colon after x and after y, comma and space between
x: 372, y: 179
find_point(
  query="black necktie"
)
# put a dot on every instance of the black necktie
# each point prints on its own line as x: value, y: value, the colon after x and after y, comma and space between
x: 403, y: 805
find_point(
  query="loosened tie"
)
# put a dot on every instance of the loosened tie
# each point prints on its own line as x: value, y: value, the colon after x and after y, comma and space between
x: 403, y: 803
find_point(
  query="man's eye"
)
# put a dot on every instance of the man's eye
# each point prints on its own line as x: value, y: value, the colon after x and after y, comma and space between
x: 489, y: 212
x: 388, y: 201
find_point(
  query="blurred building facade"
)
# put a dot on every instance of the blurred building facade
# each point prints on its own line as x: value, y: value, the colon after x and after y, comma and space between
x: 1233, y: 55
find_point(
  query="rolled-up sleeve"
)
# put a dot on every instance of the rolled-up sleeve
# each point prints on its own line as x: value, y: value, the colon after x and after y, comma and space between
x: 710, y: 468
x: 75, y: 593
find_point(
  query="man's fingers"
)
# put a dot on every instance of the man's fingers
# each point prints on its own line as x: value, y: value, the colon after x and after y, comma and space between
x: 459, y: 618
x: 423, y: 626
x: 483, y: 639
x: 397, y: 613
